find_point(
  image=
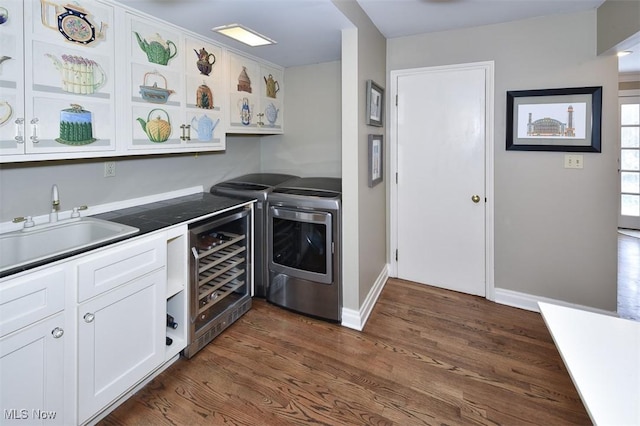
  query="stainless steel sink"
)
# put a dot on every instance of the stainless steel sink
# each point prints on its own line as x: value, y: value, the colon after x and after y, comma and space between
x: 53, y: 239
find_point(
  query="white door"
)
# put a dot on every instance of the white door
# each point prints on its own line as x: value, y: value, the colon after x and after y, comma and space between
x: 441, y: 198
x: 629, y: 162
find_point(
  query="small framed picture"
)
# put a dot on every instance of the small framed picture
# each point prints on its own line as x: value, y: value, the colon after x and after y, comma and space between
x: 555, y: 119
x: 375, y: 104
x: 376, y: 157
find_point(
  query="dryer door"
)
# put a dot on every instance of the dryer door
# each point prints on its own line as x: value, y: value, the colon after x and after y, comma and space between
x: 300, y: 244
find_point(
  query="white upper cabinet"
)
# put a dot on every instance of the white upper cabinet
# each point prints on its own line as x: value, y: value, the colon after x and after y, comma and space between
x: 255, y: 96
x: 94, y: 78
x: 176, y: 89
x: 59, y: 79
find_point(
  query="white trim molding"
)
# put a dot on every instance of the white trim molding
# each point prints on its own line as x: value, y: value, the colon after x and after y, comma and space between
x: 529, y: 302
x: 357, y: 319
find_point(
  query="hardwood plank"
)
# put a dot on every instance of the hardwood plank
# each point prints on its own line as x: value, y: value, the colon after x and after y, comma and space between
x: 426, y: 356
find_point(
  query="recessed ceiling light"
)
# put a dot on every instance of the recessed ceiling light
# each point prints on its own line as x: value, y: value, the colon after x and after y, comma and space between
x: 243, y: 35
x: 624, y: 53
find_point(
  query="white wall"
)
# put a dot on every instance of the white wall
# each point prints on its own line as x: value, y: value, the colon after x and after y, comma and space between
x: 25, y: 188
x: 311, y: 143
x: 555, y: 228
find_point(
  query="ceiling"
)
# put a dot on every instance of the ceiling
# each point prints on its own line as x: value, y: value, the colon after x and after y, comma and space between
x: 309, y: 31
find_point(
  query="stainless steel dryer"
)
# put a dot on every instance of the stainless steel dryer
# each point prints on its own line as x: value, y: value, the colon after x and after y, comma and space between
x: 304, y: 228
x: 256, y: 186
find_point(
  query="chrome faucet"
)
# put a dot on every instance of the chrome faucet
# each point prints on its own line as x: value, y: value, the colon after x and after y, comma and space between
x: 55, y: 204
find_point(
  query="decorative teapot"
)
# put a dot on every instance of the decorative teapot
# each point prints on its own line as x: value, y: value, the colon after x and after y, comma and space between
x: 204, y: 97
x: 155, y: 94
x: 79, y: 75
x: 271, y: 112
x: 158, y: 50
x: 244, y: 82
x: 157, y: 129
x: 73, y: 22
x: 205, y: 61
x: 273, y: 86
x: 245, y: 111
x: 205, y: 127
x: 5, y: 112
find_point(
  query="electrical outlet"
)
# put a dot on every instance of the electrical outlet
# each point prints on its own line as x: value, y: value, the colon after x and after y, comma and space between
x: 109, y: 168
x: 573, y: 161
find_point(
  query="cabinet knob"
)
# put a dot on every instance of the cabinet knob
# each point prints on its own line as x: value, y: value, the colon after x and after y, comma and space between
x: 57, y: 332
x: 89, y: 317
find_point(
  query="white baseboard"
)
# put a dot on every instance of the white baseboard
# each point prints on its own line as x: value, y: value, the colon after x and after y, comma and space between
x: 357, y: 319
x: 529, y: 302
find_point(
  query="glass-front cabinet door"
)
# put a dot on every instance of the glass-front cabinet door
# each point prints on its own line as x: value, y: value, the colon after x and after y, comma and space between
x: 69, y: 76
x: 11, y: 78
x: 205, y: 93
x: 66, y: 104
x: 176, y: 89
x: 156, y: 85
x: 271, y: 95
x: 255, y: 96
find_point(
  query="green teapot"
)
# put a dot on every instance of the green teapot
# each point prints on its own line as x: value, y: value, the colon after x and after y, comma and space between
x: 157, y: 129
x: 158, y: 50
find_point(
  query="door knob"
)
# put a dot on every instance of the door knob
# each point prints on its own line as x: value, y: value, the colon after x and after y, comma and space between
x: 475, y: 198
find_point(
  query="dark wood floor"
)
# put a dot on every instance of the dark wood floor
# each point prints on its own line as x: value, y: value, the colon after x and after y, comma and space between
x: 629, y: 277
x: 426, y: 356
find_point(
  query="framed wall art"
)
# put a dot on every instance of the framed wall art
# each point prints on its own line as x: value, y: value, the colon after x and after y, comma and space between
x: 376, y: 158
x: 375, y: 104
x: 555, y: 119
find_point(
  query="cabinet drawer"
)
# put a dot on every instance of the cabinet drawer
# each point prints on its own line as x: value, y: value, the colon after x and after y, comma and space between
x: 116, y: 266
x: 30, y: 298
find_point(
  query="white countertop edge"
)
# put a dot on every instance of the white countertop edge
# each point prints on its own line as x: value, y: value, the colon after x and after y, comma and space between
x: 602, y: 355
x: 104, y: 208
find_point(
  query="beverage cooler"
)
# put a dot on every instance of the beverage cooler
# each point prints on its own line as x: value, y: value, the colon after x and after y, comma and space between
x: 220, y: 275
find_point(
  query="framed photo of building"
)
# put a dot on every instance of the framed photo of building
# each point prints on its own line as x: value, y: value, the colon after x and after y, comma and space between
x: 555, y: 119
x: 375, y: 104
x: 375, y: 157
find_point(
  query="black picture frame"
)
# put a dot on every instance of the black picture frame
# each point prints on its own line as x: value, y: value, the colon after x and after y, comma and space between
x: 375, y: 160
x: 535, y: 119
x: 375, y: 104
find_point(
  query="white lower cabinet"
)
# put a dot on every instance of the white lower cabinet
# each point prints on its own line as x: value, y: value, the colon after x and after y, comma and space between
x: 32, y: 374
x: 121, y: 339
x: 77, y: 336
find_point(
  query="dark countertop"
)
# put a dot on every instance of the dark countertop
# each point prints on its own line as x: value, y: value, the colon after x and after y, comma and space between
x: 152, y: 217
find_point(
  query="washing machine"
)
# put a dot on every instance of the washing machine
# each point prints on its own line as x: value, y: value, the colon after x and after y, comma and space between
x: 304, y: 229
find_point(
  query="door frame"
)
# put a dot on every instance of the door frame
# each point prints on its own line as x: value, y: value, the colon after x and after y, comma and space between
x: 488, y: 67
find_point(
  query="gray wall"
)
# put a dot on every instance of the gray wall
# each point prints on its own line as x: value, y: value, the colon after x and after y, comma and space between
x: 25, y: 188
x: 311, y: 143
x: 618, y: 25
x: 365, y: 207
x: 555, y: 228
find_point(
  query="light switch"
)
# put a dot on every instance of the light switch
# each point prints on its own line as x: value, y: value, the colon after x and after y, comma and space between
x: 573, y: 161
